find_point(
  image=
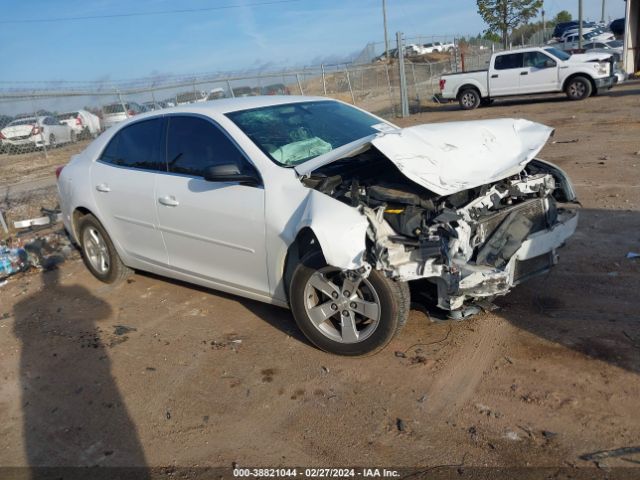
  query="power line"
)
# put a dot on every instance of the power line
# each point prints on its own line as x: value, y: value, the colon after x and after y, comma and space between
x: 142, y: 14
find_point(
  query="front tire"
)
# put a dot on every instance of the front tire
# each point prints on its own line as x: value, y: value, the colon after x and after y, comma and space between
x: 98, y: 252
x: 578, y: 88
x: 343, y: 315
x: 469, y: 99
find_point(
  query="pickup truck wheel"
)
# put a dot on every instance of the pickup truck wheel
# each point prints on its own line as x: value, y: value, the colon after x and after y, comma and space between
x: 344, y: 315
x: 578, y: 88
x: 469, y: 99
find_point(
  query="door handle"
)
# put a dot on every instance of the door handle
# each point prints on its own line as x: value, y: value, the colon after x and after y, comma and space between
x: 169, y: 201
x: 103, y: 187
x: 524, y: 73
x: 495, y: 75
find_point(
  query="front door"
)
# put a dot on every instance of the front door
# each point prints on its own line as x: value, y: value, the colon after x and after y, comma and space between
x: 212, y: 230
x: 541, y: 73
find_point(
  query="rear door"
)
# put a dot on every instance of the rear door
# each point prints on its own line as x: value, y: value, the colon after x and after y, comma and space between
x: 123, y: 182
x: 212, y: 230
x: 504, y: 77
x: 540, y: 74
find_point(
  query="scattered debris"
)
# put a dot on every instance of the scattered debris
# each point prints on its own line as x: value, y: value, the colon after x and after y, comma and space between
x: 549, y: 435
x: 575, y: 140
x: 123, y: 330
x: 511, y: 435
x: 50, y: 216
x: 400, y: 354
x: 485, y: 410
x: 618, y: 452
x: 400, y: 425
x: 422, y: 399
x: 324, y: 369
x: 12, y: 260
x: 633, y: 255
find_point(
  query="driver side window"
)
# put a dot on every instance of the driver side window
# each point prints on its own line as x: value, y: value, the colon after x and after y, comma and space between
x: 195, y: 144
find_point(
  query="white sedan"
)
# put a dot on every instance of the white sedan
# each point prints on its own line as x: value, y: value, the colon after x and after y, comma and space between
x: 315, y: 205
x: 35, y: 132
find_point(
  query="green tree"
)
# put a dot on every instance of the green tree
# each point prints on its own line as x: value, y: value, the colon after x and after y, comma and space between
x: 502, y: 16
x: 562, y: 16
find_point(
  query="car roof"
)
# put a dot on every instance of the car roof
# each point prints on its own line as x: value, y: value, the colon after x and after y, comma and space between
x: 226, y: 105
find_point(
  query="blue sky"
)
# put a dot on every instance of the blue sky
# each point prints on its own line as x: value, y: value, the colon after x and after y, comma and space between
x: 248, y: 37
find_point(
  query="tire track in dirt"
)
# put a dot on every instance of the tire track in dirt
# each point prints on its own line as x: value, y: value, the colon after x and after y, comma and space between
x: 456, y: 383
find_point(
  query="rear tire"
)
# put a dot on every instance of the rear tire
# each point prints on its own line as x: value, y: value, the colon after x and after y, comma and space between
x: 578, y: 88
x: 52, y: 141
x: 98, y: 252
x: 469, y: 99
x: 343, y: 322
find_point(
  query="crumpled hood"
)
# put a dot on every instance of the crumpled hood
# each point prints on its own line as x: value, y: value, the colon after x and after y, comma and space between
x: 446, y: 158
x: 450, y: 157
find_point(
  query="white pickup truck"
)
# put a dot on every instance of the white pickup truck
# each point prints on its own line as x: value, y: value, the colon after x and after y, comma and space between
x: 530, y: 71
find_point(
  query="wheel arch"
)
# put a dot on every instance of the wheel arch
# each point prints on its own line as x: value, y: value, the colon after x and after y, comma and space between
x: 468, y: 86
x: 78, y: 213
x: 305, y: 242
x: 579, y: 74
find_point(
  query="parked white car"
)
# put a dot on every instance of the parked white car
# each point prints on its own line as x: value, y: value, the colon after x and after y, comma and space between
x: 82, y: 122
x: 319, y: 206
x: 438, y: 47
x: 528, y: 71
x: 117, y: 112
x: 35, y: 132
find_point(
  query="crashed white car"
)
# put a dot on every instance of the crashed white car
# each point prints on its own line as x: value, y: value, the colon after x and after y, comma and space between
x: 316, y: 205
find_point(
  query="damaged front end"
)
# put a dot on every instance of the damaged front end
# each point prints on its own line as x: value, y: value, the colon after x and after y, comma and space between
x: 473, y: 244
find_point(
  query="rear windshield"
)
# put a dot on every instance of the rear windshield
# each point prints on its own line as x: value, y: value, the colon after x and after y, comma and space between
x: 293, y: 133
x: 67, y: 116
x: 23, y: 121
x: 558, y: 53
x: 114, y: 108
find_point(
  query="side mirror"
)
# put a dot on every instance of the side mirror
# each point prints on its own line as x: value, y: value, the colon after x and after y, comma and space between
x: 549, y: 64
x: 229, y: 172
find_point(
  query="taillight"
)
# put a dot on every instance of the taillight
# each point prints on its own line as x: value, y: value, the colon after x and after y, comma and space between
x: 443, y: 81
x: 78, y: 121
x: 131, y: 113
x: 59, y: 171
x: 36, y: 130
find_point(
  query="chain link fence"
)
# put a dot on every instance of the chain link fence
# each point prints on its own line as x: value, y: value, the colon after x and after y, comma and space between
x: 42, y: 125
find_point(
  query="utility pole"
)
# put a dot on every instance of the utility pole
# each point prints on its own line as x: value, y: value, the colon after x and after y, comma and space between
x: 386, y: 37
x: 404, y: 98
x: 602, y: 16
x: 544, y: 27
x: 580, y: 24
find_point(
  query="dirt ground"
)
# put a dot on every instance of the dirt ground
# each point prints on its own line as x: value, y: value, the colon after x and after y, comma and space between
x: 160, y: 373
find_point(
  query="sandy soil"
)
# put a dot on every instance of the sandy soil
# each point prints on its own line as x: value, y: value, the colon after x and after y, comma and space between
x: 155, y: 372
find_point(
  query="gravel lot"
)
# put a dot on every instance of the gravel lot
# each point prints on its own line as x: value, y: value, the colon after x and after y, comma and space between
x: 157, y: 373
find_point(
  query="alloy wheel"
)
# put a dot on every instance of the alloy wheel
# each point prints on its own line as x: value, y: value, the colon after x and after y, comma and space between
x: 343, y: 308
x: 96, y: 250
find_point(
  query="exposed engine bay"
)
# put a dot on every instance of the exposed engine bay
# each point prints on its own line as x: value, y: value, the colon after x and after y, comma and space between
x: 474, y: 244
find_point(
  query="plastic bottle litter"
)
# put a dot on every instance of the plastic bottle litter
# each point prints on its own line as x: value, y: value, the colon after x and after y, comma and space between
x: 12, y: 260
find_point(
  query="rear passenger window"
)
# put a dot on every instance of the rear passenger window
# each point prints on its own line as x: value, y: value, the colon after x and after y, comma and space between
x: 138, y: 146
x: 195, y: 144
x: 505, y: 62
